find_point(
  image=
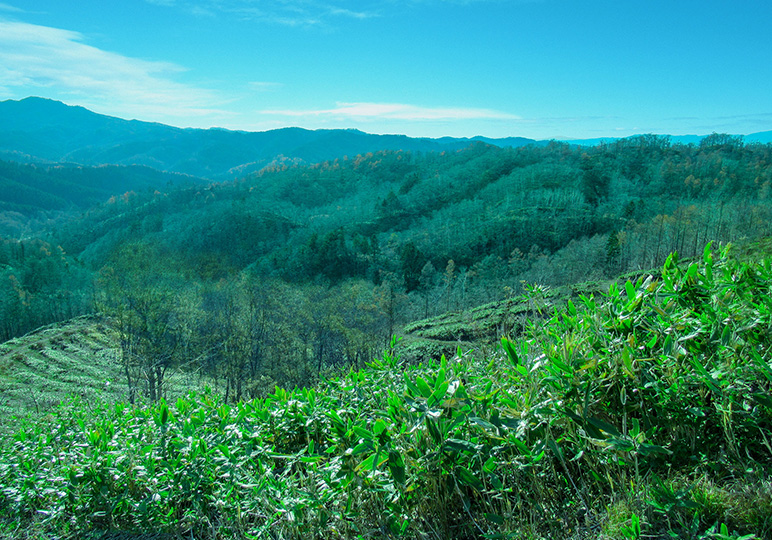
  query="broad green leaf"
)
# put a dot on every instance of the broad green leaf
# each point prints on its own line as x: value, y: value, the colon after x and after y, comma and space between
x: 707, y: 254
x: 510, y: 350
x: 763, y: 398
x: 667, y: 347
x: 553, y: 445
x: 361, y: 447
x: 627, y: 361
x: 423, y: 387
x: 224, y: 450
x: 440, y: 379
x: 368, y: 464
x: 465, y: 476
x: 496, y: 482
x: 412, y: 389
x: 521, y: 446
x: 635, y: 429
x: 561, y: 366
x: 726, y: 336
x: 335, y: 417
x: 431, y: 425
x: 379, y: 427
x: 706, y: 377
x: 438, y: 394
x: 646, y: 449
x: 691, y: 273
x: 573, y: 416
x: 397, y: 466
x: 630, y: 290
x: 635, y: 522
x: 622, y: 445
x: 482, y: 423
x: 460, y: 445
x: 603, y: 426
x: 494, y: 518
x: 363, y: 433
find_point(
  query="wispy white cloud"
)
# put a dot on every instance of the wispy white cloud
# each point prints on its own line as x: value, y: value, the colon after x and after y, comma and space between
x: 469, y: 2
x: 41, y: 59
x: 296, y: 13
x: 9, y: 8
x: 761, y: 116
x: 395, y: 111
x: 311, y: 13
x: 262, y: 86
x: 351, y: 13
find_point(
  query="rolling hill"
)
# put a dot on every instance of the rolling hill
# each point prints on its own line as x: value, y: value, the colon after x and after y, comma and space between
x: 34, y: 196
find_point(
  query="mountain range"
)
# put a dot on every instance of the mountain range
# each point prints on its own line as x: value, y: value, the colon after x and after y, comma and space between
x: 44, y: 131
x: 37, y: 130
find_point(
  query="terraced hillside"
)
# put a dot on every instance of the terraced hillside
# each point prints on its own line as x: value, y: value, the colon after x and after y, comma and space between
x: 44, y: 367
x: 484, y: 325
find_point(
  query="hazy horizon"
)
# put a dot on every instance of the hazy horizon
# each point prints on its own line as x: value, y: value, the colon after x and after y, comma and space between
x: 559, y: 139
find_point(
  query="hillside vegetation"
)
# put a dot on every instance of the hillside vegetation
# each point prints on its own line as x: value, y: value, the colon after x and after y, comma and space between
x: 620, y: 408
x: 33, y: 197
x: 644, y: 412
x: 45, y: 367
x: 297, y: 270
x: 79, y: 357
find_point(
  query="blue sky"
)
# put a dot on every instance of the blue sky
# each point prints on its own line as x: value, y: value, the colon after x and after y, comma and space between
x: 531, y: 68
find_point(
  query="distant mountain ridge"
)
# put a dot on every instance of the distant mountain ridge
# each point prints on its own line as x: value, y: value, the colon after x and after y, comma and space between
x: 762, y: 137
x: 39, y: 130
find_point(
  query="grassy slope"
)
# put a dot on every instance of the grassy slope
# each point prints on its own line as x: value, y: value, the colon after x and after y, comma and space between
x: 76, y: 357
x: 40, y: 369
x: 484, y: 325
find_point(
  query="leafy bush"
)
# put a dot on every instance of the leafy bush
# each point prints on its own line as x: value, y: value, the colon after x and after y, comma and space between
x: 642, y: 412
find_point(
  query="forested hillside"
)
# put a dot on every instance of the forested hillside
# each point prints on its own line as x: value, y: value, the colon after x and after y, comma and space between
x: 294, y: 270
x: 32, y: 196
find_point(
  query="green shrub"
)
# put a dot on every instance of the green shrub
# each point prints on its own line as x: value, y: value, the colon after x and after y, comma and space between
x: 644, y: 412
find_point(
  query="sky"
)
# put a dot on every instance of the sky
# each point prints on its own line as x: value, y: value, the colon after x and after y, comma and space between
x: 543, y: 69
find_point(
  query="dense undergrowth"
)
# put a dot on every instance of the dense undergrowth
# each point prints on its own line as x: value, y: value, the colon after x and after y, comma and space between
x: 642, y: 413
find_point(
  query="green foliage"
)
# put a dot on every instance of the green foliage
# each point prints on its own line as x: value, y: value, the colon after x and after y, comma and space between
x: 638, y: 395
x: 39, y: 284
x: 144, y: 299
x: 413, y: 262
x: 30, y: 190
x: 79, y: 356
x: 552, y: 215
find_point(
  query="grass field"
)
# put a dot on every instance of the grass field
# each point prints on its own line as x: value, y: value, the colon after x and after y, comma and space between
x: 79, y: 357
